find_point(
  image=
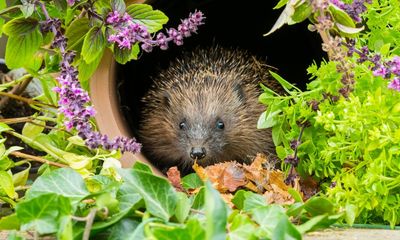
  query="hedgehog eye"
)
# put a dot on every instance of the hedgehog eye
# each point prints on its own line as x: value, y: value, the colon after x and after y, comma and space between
x: 220, y: 124
x: 182, y: 125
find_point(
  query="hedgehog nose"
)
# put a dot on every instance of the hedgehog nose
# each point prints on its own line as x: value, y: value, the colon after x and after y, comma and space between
x: 197, y: 153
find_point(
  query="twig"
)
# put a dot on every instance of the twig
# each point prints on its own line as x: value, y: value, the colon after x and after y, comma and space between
x: 89, y: 222
x: 26, y: 100
x: 37, y: 159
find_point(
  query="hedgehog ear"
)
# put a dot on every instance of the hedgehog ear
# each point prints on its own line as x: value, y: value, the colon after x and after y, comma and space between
x: 238, y: 88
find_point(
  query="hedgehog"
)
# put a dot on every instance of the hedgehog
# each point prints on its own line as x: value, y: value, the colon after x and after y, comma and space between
x: 204, y: 107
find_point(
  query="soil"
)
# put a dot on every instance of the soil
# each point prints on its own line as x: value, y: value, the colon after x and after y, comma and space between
x: 352, y: 234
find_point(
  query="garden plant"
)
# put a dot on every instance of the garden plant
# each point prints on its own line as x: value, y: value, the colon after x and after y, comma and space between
x: 337, y: 141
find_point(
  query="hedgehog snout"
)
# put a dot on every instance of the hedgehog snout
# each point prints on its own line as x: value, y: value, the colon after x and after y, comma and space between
x: 197, y: 153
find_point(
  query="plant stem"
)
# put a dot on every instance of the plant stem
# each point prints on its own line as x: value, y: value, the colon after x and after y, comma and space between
x: 26, y: 100
x: 37, y: 159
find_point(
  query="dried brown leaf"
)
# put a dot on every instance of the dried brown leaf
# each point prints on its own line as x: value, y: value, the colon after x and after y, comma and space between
x: 174, y: 176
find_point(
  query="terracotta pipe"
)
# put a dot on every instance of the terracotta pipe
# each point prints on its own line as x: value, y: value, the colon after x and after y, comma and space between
x: 109, y: 118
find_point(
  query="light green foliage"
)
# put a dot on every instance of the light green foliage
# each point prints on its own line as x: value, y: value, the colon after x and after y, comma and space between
x: 353, y: 142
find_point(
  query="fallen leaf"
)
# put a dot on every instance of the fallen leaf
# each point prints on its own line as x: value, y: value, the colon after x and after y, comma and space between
x: 174, y: 176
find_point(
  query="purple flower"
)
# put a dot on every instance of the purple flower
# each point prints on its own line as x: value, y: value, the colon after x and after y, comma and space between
x: 127, y: 33
x: 395, y: 84
x: 354, y: 10
x: 381, y: 71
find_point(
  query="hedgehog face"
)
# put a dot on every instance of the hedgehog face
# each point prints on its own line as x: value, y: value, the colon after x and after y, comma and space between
x: 202, y: 139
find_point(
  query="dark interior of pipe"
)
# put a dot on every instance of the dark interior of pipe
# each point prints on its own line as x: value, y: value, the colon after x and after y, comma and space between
x: 291, y: 49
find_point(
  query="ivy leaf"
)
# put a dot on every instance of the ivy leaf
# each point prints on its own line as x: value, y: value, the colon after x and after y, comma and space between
x: 142, y: 167
x: 93, y: 44
x: 192, y: 231
x: 123, y: 229
x: 318, y: 205
x: 76, y: 32
x: 242, y: 228
x: 10, y: 222
x: 63, y: 181
x: 43, y: 213
x: 268, y: 216
x: 144, y: 14
x: 285, y: 230
x: 127, y: 197
x: 182, y: 207
x: 216, y: 214
x: 192, y: 181
x: 158, y: 194
x: 23, y: 42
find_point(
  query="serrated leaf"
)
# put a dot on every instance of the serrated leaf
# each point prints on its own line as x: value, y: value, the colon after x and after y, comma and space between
x: 216, y: 214
x: 43, y: 212
x: 144, y: 14
x: 6, y: 184
x: 20, y: 26
x: 93, y: 45
x: 158, y: 194
x: 21, y: 49
x: 123, y: 55
x: 63, y: 181
x: 86, y: 70
x: 75, y: 33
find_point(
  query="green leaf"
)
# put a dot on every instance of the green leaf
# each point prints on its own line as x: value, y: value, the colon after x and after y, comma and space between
x: 27, y: 8
x: 351, y: 211
x: 43, y: 213
x: 9, y: 222
x: 20, y: 26
x: 138, y: 233
x: 285, y: 84
x: 76, y: 32
x: 142, y: 167
x: 31, y: 130
x: 127, y: 197
x: 318, y: 205
x: 348, y: 30
x: 242, y: 228
x: 341, y: 17
x: 199, y: 199
x: 295, y: 194
x: 21, y: 49
x: 268, y: 119
x: 20, y: 178
x: 280, y: 4
x: 118, y: 5
x: 238, y: 199
x: 191, y: 231
x: 63, y: 181
x: 192, y: 181
x: 86, y: 70
x: 144, y: 14
x: 302, y: 12
x: 6, y: 184
x: 123, y: 55
x: 123, y: 229
x: 182, y: 207
x: 216, y: 214
x: 4, y: 127
x: 253, y: 200
x: 93, y: 45
x: 268, y: 216
x: 285, y: 230
x: 158, y: 194
x: 285, y: 17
